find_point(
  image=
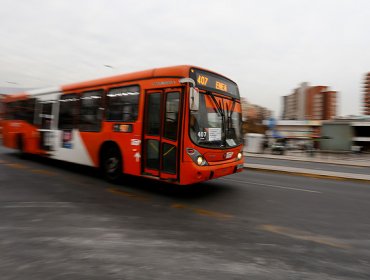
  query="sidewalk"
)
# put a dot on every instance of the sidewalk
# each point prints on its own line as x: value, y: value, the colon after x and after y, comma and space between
x: 360, y: 160
x: 356, y: 160
x: 309, y: 172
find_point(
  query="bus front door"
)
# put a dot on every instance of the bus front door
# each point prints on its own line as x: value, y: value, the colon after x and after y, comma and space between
x: 162, y: 133
x: 45, y: 130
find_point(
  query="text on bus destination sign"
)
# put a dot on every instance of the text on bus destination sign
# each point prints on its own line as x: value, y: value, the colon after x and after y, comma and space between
x: 203, y: 80
x: 213, y: 82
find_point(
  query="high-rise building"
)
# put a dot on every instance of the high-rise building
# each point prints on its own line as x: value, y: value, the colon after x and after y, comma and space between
x: 367, y: 94
x: 253, y: 111
x: 314, y: 102
x: 329, y: 104
x: 310, y: 103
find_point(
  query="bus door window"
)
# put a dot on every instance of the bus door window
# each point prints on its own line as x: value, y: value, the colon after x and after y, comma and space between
x: 171, y: 122
x: 43, y: 119
x: 153, y: 127
x: 172, y: 115
x: 46, y: 115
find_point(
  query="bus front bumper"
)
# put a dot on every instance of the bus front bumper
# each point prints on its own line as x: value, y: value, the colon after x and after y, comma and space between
x: 192, y: 173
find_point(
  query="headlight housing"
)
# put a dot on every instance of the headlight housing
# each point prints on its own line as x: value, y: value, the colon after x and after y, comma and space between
x: 201, y: 161
x: 196, y: 157
x: 240, y: 155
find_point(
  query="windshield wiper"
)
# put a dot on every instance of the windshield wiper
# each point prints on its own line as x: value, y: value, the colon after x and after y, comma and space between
x: 219, y: 108
x: 229, y: 115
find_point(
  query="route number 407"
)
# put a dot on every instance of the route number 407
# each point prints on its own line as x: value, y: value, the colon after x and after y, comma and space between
x: 202, y: 80
x: 202, y: 134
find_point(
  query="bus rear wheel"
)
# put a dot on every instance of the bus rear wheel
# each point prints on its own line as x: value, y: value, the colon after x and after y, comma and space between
x: 112, y: 163
x: 20, y: 147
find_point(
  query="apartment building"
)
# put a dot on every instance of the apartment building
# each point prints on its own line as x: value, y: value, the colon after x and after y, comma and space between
x: 310, y: 103
x: 367, y: 94
x: 253, y: 111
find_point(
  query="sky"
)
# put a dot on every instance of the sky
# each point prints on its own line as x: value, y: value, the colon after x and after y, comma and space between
x: 268, y: 47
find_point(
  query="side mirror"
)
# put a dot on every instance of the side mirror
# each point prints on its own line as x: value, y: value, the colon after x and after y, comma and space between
x: 194, y: 99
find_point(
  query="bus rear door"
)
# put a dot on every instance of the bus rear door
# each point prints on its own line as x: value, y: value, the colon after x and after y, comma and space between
x: 162, y: 133
x: 46, y: 121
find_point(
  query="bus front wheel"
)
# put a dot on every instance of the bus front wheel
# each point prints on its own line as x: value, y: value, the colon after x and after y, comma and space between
x: 112, y: 163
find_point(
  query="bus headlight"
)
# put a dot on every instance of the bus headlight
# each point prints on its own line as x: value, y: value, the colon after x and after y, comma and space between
x: 240, y: 155
x: 200, y: 160
x: 196, y: 157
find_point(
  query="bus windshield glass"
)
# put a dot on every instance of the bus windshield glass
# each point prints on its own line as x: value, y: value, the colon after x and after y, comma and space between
x: 216, y: 126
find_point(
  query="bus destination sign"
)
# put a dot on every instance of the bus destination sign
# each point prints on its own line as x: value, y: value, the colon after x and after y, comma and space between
x: 213, y: 82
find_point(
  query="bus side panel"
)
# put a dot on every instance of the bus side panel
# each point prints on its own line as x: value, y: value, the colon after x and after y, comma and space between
x: 129, y: 144
x: 14, y: 130
x: 74, y: 150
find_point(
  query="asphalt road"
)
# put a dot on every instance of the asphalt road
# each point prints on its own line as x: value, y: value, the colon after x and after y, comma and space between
x: 61, y: 221
x: 309, y: 165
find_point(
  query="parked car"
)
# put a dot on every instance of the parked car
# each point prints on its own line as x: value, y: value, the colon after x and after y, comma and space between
x: 278, y: 148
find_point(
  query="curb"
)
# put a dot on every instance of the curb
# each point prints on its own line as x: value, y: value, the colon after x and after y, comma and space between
x: 308, y: 173
x: 335, y: 162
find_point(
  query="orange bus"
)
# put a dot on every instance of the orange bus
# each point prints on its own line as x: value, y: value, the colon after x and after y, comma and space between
x: 178, y: 124
x: 2, y: 112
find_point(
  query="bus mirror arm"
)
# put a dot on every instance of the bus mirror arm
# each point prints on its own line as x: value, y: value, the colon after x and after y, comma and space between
x: 187, y: 80
x: 193, y: 94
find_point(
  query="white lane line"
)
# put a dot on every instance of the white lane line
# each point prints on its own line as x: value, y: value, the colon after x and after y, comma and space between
x: 37, y: 204
x: 272, y: 186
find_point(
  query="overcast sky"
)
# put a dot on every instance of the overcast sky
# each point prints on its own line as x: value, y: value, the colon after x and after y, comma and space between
x: 268, y: 47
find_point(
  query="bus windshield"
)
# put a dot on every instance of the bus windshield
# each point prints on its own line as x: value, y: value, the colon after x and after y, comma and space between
x: 216, y: 126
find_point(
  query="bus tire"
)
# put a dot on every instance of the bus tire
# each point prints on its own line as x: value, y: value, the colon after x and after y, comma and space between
x: 111, y: 162
x: 20, y: 146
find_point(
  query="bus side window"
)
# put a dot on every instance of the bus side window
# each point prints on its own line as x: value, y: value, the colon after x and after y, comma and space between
x: 16, y: 110
x: 29, y: 115
x: 21, y: 110
x: 91, y: 111
x: 10, y: 110
x: 122, y: 104
x: 68, y: 111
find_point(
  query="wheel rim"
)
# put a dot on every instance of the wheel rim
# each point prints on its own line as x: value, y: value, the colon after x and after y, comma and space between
x: 112, y: 164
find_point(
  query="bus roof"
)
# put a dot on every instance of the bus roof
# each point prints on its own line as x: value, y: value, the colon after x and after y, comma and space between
x: 179, y: 71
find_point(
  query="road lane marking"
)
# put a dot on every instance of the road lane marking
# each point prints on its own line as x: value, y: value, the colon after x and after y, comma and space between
x: 16, y: 165
x: 272, y: 186
x: 202, y: 212
x: 37, y: 204
x: 43, y: 172
x: 37, y: 171
x: 199, y: 211
x: 304, y: 235
x: 128, y: 194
